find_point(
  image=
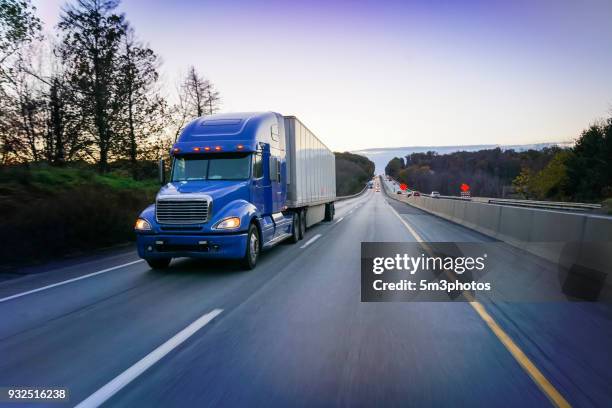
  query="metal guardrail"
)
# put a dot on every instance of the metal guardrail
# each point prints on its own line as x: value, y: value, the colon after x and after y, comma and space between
x: 545, y: 204
x: 550, y: 205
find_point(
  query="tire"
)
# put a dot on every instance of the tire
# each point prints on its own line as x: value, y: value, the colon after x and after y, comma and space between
x: 159, y: 263
x: 302, y: 224
x: 295, y: 233
x: 329, y: 211
x: 253, y: 248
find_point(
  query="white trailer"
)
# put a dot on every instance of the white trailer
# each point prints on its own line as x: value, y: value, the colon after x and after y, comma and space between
x: 311, y: 168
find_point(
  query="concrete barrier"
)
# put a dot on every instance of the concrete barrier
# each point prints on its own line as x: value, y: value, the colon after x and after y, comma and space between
x: 596, y: 244
x: 515, y: 224
x: 481, y: 217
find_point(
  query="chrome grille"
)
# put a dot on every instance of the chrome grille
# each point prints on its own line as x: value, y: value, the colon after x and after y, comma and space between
x: 181, y: 211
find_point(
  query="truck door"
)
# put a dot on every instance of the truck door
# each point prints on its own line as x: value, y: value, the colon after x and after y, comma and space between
x: 258, y: 182
x: 278, y: 172
x: 265, y: 183
x: 275, y: 184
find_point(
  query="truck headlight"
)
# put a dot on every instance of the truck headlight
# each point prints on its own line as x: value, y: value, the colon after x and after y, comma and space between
x: 142, y: 225
x: 228, y: 223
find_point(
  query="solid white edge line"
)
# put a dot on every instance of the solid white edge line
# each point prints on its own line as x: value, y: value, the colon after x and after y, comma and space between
x: 339, y: 219
x: 29, y: 292
x: 116, y: 384
x: 310, y: 241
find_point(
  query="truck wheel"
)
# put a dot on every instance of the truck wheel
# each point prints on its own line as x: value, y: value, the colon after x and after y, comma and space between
x: 295, y: 233
x: 159, y: 263
x: 302, y: 224
x: 252, y: 250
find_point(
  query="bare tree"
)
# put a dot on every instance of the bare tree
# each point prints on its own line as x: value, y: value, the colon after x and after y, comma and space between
x: 179, y: 113
x: 63, y: 137
x: 201, y: 97
x: 213, y: 99
x: 144, y: 110
x: 30, y: 108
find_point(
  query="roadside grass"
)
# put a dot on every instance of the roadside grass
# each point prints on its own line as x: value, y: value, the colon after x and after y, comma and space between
x: 51, y: 179
x: 51, y: 212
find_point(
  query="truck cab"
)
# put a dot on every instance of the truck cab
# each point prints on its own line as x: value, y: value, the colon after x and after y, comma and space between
x: 226, y: 193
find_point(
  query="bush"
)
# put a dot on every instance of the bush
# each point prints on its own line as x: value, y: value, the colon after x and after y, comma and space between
x: 54, y: 212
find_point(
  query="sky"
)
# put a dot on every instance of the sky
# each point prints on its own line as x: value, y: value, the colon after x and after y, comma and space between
x: 365, y: 74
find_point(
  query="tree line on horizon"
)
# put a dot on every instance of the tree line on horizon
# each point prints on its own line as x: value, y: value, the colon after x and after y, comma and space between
x: 353, y: 171
x: 91, y: 93
x: 580, y: 173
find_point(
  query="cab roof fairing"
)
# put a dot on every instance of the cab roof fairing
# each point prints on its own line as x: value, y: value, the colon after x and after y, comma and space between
x: 227, y: 131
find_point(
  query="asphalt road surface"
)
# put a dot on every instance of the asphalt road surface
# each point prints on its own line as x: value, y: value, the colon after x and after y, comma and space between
x: 292, y: 332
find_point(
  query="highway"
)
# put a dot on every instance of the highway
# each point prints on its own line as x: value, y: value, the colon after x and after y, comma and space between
x: 294, y: 335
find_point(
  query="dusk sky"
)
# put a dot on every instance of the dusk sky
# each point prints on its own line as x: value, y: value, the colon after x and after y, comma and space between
x: 364, y: 74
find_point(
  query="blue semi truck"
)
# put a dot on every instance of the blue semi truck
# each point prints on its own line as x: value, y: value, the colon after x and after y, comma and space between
x: 239, y: 183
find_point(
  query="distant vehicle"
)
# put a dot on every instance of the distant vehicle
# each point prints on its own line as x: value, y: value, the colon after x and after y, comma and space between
x: 398, y: 192
x: 435, y: 194
x: 377, y: 189
x: 416, y: 194
x: 408, y: 194
x: 240, y: 183
x: 370, y: 184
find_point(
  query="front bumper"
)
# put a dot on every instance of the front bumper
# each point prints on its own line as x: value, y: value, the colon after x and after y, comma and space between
x: 231, y: 246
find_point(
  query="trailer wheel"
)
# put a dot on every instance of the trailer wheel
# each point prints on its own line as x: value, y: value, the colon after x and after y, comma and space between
x: 159, y: 263
x: 295, y: 233
x: 302, y: 224
x: 329, y: 211
x: 252, y: 249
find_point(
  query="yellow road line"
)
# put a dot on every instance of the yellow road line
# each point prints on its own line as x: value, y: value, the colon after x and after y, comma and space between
x: 536, y: 375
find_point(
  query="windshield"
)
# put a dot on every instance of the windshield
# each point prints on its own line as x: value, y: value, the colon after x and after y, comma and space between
x: 212, y: 167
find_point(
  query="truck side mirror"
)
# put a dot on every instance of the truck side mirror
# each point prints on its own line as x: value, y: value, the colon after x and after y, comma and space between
x: 162, y: 172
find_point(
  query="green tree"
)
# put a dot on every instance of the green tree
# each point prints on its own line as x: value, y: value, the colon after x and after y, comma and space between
x: 18, y: 25
x: 394, y: 167
x: 353, y: 171
x: 589, y: 177
x: 90, y: 49
x: 418, y: 177
x: 550, y: 182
